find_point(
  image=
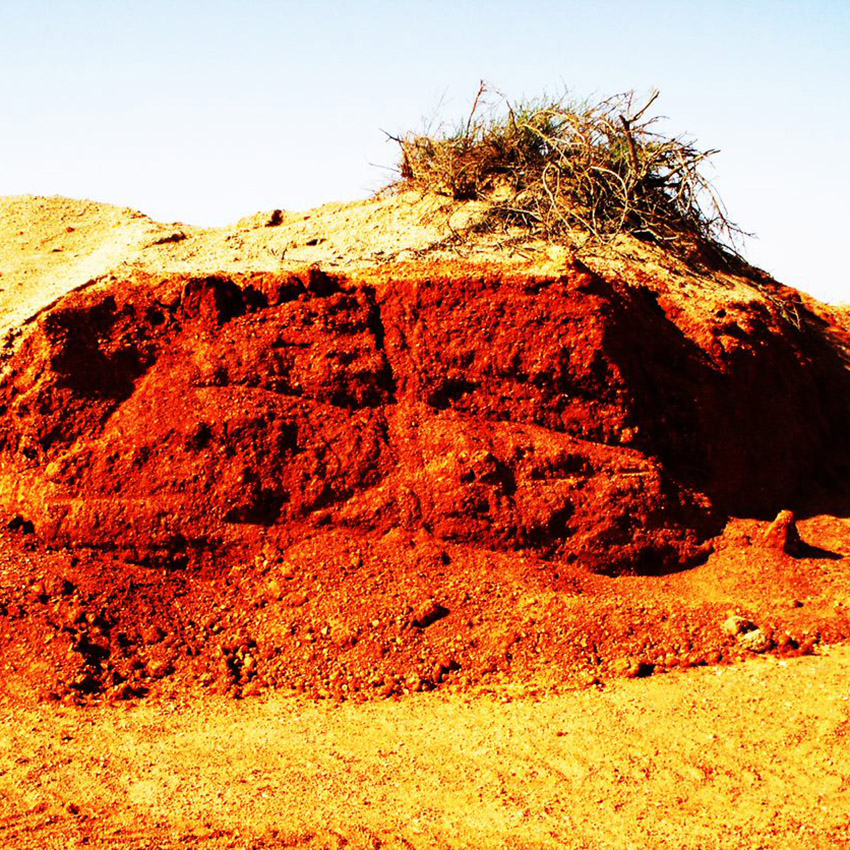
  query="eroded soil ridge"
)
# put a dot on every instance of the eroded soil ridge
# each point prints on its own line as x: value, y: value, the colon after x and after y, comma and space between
x: 239, y: 442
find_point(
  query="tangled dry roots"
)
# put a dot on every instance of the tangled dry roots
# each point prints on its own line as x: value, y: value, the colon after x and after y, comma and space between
x: 558, y: 167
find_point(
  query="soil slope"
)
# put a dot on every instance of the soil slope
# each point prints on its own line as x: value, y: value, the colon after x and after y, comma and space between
x: 380, y: 479
x: 347, y: 455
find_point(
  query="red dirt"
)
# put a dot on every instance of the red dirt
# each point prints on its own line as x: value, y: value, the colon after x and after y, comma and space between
x: 421, y: 475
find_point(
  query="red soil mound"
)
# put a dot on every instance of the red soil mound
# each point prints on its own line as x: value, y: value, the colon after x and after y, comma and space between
x: 322, y: 470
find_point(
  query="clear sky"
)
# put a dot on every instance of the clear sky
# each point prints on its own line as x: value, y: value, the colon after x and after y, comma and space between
x: 203, y: 112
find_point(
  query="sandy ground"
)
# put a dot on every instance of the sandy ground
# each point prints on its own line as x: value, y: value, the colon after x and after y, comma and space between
x: 753, y: 755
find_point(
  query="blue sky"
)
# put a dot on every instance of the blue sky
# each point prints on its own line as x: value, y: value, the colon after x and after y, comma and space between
x: 207, y: 111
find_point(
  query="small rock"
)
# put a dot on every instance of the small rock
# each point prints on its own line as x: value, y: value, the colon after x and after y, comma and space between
x: 808, y: 646
x: 252, y: 689
x: 345, y: 637
x: 509, y: 639
x: 152, y: 634
x: 782, y: 534
x: 447, y: 662
x: 783, y: 641
x: 428, y: 612
x: 735, y: 626
x: 755, y: 641
x: 176, y: 236
x: 160, y: 668
x: 85, y: 683
x: 296, y: 600
x: 122, y: 691
x: 274, y: 591
x: 74, y: 613
x: 56, y: 586
x: 631, y: 668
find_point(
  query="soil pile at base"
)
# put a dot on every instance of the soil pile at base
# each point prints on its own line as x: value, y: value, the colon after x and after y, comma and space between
x: 289, y: 455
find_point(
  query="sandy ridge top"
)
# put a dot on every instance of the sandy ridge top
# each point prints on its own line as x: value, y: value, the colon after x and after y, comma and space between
x: 50, y: 246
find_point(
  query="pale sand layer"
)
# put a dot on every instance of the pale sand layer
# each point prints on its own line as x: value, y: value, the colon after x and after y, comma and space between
x: 749, y: 756
x: 51, y: 246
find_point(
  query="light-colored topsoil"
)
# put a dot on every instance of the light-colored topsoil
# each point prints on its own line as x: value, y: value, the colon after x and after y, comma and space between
x: 50, y: 246
x: 751, y: 756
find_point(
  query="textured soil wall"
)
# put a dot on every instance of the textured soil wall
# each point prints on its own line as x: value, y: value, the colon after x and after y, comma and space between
x: 565, y: 415
x: 379, y: 482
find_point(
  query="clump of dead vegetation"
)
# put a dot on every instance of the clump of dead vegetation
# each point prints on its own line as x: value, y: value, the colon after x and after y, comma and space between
x: 559, y: 167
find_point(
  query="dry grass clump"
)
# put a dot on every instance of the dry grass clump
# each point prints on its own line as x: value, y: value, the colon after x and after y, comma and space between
x: 561, y: 167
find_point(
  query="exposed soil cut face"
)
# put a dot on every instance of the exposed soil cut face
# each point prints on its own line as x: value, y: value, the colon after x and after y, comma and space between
x: 191, y: 409
x: 564, y: 415
x: 376, y: 483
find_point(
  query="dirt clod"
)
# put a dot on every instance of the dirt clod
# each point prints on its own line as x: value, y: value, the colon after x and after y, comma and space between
x: 755, y: 640
x: 782, y: 534
x: 735, y: 626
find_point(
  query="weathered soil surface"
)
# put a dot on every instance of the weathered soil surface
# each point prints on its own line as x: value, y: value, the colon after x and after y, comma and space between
x: 498, y: 473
